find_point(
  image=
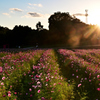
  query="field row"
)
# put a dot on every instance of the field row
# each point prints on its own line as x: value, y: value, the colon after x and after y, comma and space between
x: 86, y: 74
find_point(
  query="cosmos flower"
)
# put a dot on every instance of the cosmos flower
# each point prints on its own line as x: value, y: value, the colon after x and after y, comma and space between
x: 79, y: 85
x: 38, y: 91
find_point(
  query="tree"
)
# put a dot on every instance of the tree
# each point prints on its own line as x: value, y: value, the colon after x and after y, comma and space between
x: 39, y: 26
x: 59, y: 20
x: 59, y: 26
x: 20, y: 34
x: 66, y: 29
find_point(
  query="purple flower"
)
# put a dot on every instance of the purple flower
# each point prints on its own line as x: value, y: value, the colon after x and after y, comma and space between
x: 42, y: 98
x: 76, y: 76
x: 85, y: 71
x: 26, y: 93
x: 85, y: 78
x: 4, y: 95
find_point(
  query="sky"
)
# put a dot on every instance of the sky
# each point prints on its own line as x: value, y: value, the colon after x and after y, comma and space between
x: 30, y: 12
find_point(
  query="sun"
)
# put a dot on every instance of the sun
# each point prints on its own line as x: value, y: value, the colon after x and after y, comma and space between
x: 94, y: 18
x: 95, y: 21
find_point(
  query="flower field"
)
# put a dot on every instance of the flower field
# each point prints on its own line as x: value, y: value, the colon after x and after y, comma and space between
x: 50, y: 74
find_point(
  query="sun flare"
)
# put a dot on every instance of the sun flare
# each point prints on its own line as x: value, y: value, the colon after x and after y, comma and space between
x: 94, y: 17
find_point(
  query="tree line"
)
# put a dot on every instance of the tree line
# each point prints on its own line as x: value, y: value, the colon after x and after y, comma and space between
x: 64, y: 30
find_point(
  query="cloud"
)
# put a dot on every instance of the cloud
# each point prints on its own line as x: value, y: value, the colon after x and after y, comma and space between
x: 34, y: 14
x: 5, y: 14
x: 16, y: 9
x: 38, y: 5
x: 29, y: 3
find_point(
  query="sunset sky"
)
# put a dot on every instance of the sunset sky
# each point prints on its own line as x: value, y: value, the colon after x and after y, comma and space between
x: 29, y: 12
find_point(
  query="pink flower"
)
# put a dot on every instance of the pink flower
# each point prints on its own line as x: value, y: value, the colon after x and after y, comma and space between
x: 3, y: 78
x: 56, y: 77
x: 15, y: 92
x: 31, y: 95
x: 10, y: 85
x: 46, y: 85
x: 33, y: 67
x: 0, y: 69
x: 9, y: 92
x: 30, y: 89
x: 98, y: 76
x: 54, y: 84
x: 24, y: 74
x: 34, y: 86
x: 32, y: 79
x: 2, y: 83
x: 33, y: 72
x: 9, y: 95
x: 37, y: 76
x: 38, y: 82
x: 98, y: 89
x: 89, y: 80
x: 76, y: 70
x: 31, y: 75
x: 59, y: 83
x: 39, y: 91
x: 79, y: 85
x: 47, y: 79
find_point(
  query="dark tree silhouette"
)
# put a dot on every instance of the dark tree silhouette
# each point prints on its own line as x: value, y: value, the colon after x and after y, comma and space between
x: 58, y: 19
x: 20, y: 34
x: 64, y: 30
x: 59, y: 26
x: 39, y: 26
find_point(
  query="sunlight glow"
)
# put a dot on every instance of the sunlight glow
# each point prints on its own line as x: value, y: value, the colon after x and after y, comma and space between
x: 94, y: 17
